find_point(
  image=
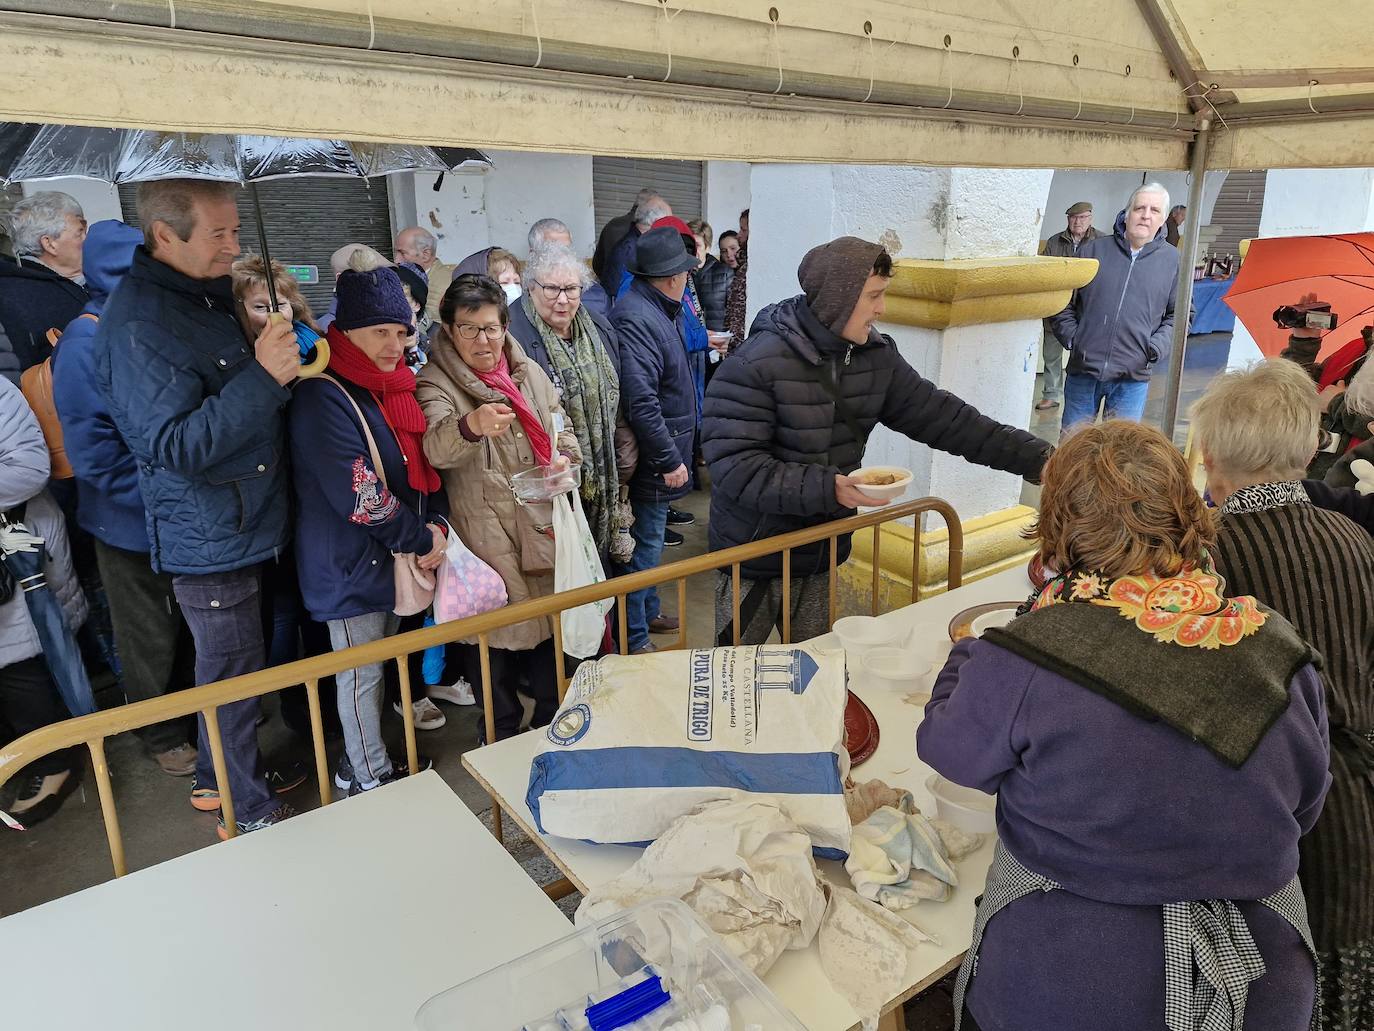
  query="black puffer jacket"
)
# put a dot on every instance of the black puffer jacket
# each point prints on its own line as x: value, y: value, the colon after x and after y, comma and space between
x: 713, y: 285
x: 33, y: 300
x: 775, y: 443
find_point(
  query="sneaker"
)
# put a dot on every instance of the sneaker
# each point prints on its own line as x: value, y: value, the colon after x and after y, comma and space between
x: 671, y: 538
x: 457, y: 693
x: 179, y: 761
x: 663, y: 625
x: 343, y: 772
x: 676, y: 517
x: 1046, y: 405
x: 41, y: 795
x: 280, y: 779
x: 427, y: 714
x: 647, y: 649
x: 394, y: 774
x: 277, y: 815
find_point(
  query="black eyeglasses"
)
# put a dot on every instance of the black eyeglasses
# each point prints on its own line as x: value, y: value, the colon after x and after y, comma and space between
x: 551, y: 292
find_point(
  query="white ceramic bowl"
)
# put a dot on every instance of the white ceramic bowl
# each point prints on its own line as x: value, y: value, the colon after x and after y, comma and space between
x: 969, y: 810
x: 894, y: 669
x: 861, y: 634
x: 883, y: 492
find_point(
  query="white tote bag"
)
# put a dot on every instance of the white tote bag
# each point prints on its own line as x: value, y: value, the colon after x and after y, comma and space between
x: 575, y: 565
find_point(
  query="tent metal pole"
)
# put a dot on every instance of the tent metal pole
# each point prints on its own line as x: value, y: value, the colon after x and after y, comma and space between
x: 1187, y: 259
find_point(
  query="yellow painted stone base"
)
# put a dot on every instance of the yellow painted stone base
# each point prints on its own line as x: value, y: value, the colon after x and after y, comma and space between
x: 992, y: 543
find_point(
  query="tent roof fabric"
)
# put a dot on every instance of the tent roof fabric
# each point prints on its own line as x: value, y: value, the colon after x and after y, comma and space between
x: 1029, y: 83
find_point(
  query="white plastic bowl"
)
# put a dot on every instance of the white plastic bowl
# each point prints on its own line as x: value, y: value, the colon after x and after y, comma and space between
x: 894, y: 669
x: 883, y: 492
x: 861, y: 634
x: 968, y: 809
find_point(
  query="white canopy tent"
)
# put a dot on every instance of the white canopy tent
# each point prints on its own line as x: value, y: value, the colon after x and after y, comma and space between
x: 1163, y: 84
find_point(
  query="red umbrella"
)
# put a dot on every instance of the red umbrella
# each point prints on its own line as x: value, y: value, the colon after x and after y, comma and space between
x: 1339, y: 270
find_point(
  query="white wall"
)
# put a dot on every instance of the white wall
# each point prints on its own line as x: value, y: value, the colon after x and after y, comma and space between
x: 524, y: 188
x: 727, y: 188
x: 456, y: 213
x: 99, y: 201
x: 1309, y: 202
x: 1107, y: 192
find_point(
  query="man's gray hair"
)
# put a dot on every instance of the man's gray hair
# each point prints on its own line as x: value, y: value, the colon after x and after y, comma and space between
x: 1148, y: 188
x: 39, y: 215
x: 428, y: 241
x: 173, y: 201
x: 654, y: 210
x: 1259, y: 424
x: 540, y: 231
x: 545, y: 261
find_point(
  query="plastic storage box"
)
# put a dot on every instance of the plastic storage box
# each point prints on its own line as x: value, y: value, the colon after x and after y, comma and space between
x: 552, y: 988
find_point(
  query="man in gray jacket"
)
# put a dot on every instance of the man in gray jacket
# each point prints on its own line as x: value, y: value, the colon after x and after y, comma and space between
x: 1118, y: 328
x: 1066, y: 244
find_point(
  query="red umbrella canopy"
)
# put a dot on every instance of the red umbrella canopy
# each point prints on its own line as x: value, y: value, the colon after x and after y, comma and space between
x: 1339, y: 270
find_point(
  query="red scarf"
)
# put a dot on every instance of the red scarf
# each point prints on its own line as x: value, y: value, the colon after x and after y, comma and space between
x: 499, y: 379
x: 395, y: 395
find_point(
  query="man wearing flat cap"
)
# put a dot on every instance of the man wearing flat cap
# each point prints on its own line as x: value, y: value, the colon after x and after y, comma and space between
x: 787, y: 419
x: 1062, y: 245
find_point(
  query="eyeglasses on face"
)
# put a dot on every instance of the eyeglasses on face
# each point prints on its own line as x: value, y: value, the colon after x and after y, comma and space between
x: 470, y: 332
x: 551, y: 291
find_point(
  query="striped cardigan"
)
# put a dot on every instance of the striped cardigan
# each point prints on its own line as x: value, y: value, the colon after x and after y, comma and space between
x: 1317, y: 568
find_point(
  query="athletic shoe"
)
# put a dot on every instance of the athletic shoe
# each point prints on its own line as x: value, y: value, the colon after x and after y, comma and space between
x: 276, y: 816
x: 179, y: 761
x: 280, y: 779
x: 457, y: 693
x: 663, y: 625
x: 42, y: 795
x: 676, y: 517
x: 343, y: 772
x: 671, y: 538
x: 427, y: 714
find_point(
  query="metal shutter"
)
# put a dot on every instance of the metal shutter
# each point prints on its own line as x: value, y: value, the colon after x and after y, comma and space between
x: 617, y: 181
x: 1237, y: 211
x: 308, y: 219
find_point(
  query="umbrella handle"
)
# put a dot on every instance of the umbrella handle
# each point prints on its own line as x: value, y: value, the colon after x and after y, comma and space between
x: 320, y: 363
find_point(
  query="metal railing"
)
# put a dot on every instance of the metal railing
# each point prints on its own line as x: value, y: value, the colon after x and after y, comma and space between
x: 93, y: 730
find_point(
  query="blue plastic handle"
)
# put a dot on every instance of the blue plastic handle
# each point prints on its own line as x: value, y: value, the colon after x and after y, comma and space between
x: 628, y: 1006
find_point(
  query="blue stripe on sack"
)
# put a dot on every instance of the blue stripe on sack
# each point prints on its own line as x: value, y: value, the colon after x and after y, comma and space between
x: 769, y: 773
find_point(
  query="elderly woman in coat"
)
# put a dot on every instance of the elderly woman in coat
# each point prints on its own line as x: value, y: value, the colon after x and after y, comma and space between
x: 1157, y: 746
x: 493, y: 413
x: 580, y: 353
x: 1257, y: 429
x: 28, y: 696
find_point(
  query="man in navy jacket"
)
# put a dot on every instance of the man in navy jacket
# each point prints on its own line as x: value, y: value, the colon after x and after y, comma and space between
x: 155, y: 650
x: 660, y: 405
x: 1120, y: 326
x: 201, y: 408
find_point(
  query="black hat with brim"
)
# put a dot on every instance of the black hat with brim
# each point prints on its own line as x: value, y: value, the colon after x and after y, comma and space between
x: 659, y: 254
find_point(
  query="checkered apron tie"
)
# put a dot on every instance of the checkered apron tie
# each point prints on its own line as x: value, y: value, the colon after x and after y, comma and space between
x: 1210, y: 957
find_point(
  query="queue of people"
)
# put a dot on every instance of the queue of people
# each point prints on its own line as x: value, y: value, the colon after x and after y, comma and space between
x: 1179, y: 729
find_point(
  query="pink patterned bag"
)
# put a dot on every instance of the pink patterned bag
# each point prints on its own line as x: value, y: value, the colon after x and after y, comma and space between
x: 467, y: 586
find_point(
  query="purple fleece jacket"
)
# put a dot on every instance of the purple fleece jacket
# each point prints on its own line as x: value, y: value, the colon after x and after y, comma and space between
x: 1127, y: 814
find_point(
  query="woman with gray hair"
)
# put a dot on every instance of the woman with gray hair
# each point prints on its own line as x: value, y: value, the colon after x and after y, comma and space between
x: 580, y: 353
x: 41, y: 288
x: 1257, y: 429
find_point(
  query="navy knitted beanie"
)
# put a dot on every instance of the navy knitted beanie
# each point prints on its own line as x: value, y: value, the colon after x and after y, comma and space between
x: 371, y: 299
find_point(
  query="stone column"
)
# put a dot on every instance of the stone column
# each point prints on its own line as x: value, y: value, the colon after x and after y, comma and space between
x: 964, y: 307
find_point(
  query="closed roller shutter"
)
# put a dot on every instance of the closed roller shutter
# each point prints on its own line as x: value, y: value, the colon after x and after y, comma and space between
x: 617, y: 181
x: 1237, y: 211
x: 308, y: 219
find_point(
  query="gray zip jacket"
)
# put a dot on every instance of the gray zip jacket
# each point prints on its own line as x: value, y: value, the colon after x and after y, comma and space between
x: 1121, y: 325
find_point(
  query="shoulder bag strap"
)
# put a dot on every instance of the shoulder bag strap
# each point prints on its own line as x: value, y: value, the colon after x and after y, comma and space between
x: 367, y: 431
x: 825, y: 376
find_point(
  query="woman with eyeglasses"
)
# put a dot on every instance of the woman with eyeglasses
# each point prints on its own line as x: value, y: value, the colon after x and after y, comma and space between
x: 492, y: 413
x: 579, y: 351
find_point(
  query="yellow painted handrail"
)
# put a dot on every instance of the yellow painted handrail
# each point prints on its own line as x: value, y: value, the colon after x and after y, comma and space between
x: 93, y: 730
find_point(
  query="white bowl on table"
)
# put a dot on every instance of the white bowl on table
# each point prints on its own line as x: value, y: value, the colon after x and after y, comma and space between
x: 861, y: 634
x: 967, y: 808
x: 882, y: 491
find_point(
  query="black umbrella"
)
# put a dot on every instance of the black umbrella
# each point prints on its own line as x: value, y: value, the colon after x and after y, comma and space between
x: 30, y: 152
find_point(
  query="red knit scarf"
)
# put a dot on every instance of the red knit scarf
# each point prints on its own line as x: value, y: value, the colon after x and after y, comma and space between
x: 500, y: 379
x: 395, y: 395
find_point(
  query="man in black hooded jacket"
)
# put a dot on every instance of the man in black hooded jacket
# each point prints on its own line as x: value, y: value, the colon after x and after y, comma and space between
x: 787, y: 418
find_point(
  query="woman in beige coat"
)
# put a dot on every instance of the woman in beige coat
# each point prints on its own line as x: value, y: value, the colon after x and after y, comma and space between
x: 493, y: 413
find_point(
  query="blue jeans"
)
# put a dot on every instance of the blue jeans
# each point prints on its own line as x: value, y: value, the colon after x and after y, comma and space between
x: 224, y: 614
x: 642, y: 607
x: 1083, y: 396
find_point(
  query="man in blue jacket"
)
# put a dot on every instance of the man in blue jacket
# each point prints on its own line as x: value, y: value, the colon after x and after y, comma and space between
x: 202, y: 411
x: 154, y: 645
x: 1119, y: 327
x: 660, y: 405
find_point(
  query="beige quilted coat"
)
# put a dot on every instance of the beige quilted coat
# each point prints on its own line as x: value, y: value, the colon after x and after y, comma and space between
x: 476, y: 476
